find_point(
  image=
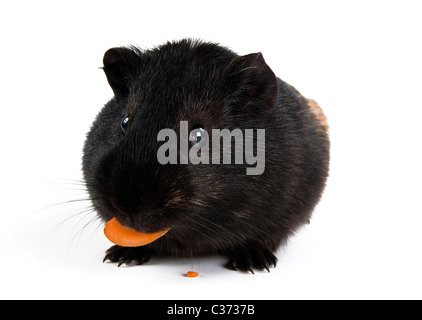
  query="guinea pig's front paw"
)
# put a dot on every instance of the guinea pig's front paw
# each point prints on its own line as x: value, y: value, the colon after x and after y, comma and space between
x: 249, y: 258
x: 123, y: 255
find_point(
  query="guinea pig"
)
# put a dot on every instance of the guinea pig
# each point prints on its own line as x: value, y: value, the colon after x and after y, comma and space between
x: 211, y: 208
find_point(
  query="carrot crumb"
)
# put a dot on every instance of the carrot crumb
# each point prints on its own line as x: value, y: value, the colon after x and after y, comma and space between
x: 192, y: 274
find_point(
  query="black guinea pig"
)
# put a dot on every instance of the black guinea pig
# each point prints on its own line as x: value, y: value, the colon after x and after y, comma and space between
x: 215, y: 207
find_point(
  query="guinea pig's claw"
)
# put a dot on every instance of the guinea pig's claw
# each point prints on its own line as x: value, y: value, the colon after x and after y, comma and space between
x: 122, y: 255
x: 258, y: 260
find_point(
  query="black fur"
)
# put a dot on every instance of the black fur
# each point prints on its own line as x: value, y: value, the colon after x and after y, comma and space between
x: 211, y: 209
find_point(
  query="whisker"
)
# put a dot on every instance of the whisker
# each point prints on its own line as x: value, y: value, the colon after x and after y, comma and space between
x: 100, y: 224
x: 67, y: 202
x: 85, y: 211
x: 200, y: 224
x: 80, y: 232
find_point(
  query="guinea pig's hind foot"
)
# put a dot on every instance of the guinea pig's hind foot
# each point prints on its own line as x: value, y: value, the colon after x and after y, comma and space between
x: 123, y: 255
x: 248, y: 258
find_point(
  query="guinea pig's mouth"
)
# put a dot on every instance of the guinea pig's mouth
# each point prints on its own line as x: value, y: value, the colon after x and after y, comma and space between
x: 128, y: 237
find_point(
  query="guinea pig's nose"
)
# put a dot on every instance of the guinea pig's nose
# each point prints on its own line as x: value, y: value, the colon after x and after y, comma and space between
x: 125, y: 193
x: 126, y: 203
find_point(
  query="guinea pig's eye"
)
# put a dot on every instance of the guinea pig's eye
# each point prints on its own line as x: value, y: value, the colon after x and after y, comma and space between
x: 124, y: 124
x: 197, y: 134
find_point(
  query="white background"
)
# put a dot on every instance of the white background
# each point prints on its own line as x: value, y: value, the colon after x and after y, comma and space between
x: 361, y: 60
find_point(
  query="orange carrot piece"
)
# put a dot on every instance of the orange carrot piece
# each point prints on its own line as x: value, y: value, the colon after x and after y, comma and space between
x: 127, y: 237
x: 192, y: 274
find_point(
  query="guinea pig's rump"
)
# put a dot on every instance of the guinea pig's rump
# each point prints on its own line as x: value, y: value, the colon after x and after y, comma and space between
x: 319, y: 114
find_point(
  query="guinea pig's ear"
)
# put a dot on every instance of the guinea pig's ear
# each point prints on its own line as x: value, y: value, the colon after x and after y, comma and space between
x: 250, y: 75
x: 118, y: 67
